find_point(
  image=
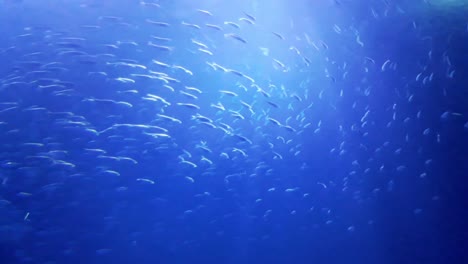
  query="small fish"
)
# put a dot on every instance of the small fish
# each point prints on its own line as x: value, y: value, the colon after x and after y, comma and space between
x: 202, y: 118
x: 289, y: 128
x: 172, y: 119
x: 240, y: 74
x: 160, y: 47
x: 358, y: 41
x: 370, y: 60
x: 218, y: 106
x: 324, y: 45
x: 157, y: 23
x: 204, y: 12
x: 200, y: 44
x: 246, y: 104
x: 193, y: 89
x: 274, y: 121
x: 195, y: 26
x: 236, y: 37
x: 233, y: 94
x: 145, y: 180
x: 273, y: 104
x: 248, y: 21
x: 161, y: 39
x: 193, y: 106
x: 278, y: 35
x: 337, y: 29
x: 206, y: 160
x: 206, y: 51
x: 384, y: 65
x: 183, y: 69
x: 214, y: 27
x: 188, y: 95
x: 124, y: 80
x: 150, y: 4
x: 278, y: 64
x: 244, y: 139
x: 237, y: 115
x: 232, y: 24
x: 250, y: 16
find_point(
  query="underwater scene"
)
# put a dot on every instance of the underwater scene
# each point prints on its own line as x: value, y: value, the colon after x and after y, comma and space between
x: 247, y: 131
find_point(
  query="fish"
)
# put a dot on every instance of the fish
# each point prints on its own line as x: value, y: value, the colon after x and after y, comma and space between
x: 190, y: 25
x: 278, y: 35
x: 157, y: 23
x: 248, y: 21
x: 273, y: 104
x: 274, y: 121
x: 228, y: 93
x: 188, y: 95
x: 213, y: 26
x: 234, y: 25
x: 243, y: 139
x: 160, y: 47
x: 250, y: 16
x: 385, y: 65
x: 200, y: 44
x: 188, y: 105
x: 172, y: 119
x: 236, y: 37
x: 162, y: 39
x: 204, y: 12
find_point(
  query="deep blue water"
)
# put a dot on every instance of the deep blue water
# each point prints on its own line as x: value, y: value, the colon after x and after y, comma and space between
x: 233, y: 131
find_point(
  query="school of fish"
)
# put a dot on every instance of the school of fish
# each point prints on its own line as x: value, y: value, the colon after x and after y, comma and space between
x: 213, y: 118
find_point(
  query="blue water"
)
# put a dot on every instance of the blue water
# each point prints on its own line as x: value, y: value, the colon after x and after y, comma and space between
x: 233, y: 132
